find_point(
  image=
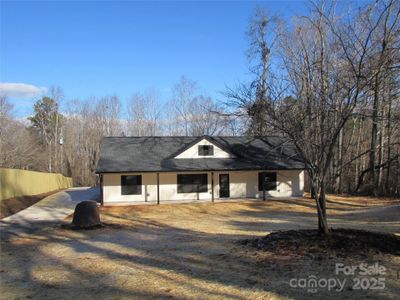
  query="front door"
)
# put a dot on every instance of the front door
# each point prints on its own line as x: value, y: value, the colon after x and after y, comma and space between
x: 224, y: 185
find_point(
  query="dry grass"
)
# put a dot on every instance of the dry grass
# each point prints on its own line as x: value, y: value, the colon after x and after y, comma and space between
x: 11, y: 206
x: 188, y: 251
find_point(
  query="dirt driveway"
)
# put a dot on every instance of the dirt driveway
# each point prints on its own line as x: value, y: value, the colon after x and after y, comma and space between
x: 49, y: 211
x: 190, y: 251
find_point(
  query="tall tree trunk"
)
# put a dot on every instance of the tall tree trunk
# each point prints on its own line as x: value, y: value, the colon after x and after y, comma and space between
x: 322, y: 220
x: 388, y: 141
x: 339, y: 164
x: 381, y: 146
x: 358, y: 152
x: 374, y: 136
x: 318, y: 194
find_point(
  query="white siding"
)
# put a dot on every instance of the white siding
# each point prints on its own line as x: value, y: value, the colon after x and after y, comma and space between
x: 169, y: 187
x: 112, y: 188
x: 193, y: 152
x: 243, y: 184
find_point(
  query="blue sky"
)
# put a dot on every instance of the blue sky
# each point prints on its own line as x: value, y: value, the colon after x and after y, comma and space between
x: 97, y: 48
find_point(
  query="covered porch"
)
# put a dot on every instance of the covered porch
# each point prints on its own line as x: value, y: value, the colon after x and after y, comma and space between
x: 170, y: 187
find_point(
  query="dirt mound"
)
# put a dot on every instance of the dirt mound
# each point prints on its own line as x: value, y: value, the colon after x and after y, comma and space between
x: 11, y: 206
x: 342, y: 242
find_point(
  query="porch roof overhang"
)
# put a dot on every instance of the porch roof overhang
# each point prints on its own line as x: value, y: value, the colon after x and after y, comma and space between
x: 201, y: 165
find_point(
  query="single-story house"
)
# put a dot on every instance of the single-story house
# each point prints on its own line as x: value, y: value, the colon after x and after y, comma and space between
x: 161, y: 169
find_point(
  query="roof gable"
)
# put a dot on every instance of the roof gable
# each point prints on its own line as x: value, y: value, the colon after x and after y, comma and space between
x: 191, y: 150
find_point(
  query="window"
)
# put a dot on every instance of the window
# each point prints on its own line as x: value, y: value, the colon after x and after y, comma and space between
x: 192, y: 183
x: 270, y: 181
x: 206, y: 150
x: 131, y: 185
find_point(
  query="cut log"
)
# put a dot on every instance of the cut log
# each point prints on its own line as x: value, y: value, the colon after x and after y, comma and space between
x: 86, y: 215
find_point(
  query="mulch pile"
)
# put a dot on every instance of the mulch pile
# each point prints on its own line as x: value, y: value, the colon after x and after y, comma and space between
x: 340, y: 242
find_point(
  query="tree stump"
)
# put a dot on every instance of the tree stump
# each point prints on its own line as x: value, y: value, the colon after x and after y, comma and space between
x: 86, y: 215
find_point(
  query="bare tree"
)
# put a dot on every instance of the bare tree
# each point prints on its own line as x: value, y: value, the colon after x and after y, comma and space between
x: 86, y: 122
x: 106, y: 114
x: 144, y: 114
x: 179, y: 108
x: 262, y: 37
x: 204, y: 117
x: 327, y: 66
x: 18, y: 147
x: 189, y: 113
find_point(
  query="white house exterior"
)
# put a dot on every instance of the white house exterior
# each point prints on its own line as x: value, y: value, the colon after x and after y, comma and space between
x: 162, y: 169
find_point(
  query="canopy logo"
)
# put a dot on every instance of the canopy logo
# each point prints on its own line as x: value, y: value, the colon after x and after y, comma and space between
x: 364, y: 277
x: 312, y: 283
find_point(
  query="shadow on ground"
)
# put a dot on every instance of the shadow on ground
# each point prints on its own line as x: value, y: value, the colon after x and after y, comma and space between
x: 159, y: 257
x: 49, y: 211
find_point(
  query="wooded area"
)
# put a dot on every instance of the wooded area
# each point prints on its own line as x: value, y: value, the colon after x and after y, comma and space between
x: 64, y: 135
x: 327, y: 81
x: 330, y: 83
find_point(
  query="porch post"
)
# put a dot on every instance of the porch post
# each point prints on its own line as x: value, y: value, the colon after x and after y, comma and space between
x: 263, y: 184
x: 212, y: 186
x: 158, y: 188
x: 101, y: 189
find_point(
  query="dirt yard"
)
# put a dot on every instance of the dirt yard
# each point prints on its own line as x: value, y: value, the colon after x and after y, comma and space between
x: 193, y: 251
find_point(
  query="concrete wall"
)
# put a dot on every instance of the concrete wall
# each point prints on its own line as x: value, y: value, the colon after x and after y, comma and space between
x: 243, y: 184
x: 14, y: 183
x: 193, y: 152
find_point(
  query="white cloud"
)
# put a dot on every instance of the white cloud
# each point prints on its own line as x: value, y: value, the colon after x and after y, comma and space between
x: 21, y: 90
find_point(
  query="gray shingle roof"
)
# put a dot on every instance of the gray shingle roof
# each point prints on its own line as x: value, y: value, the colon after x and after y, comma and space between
x: 156, y: 154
